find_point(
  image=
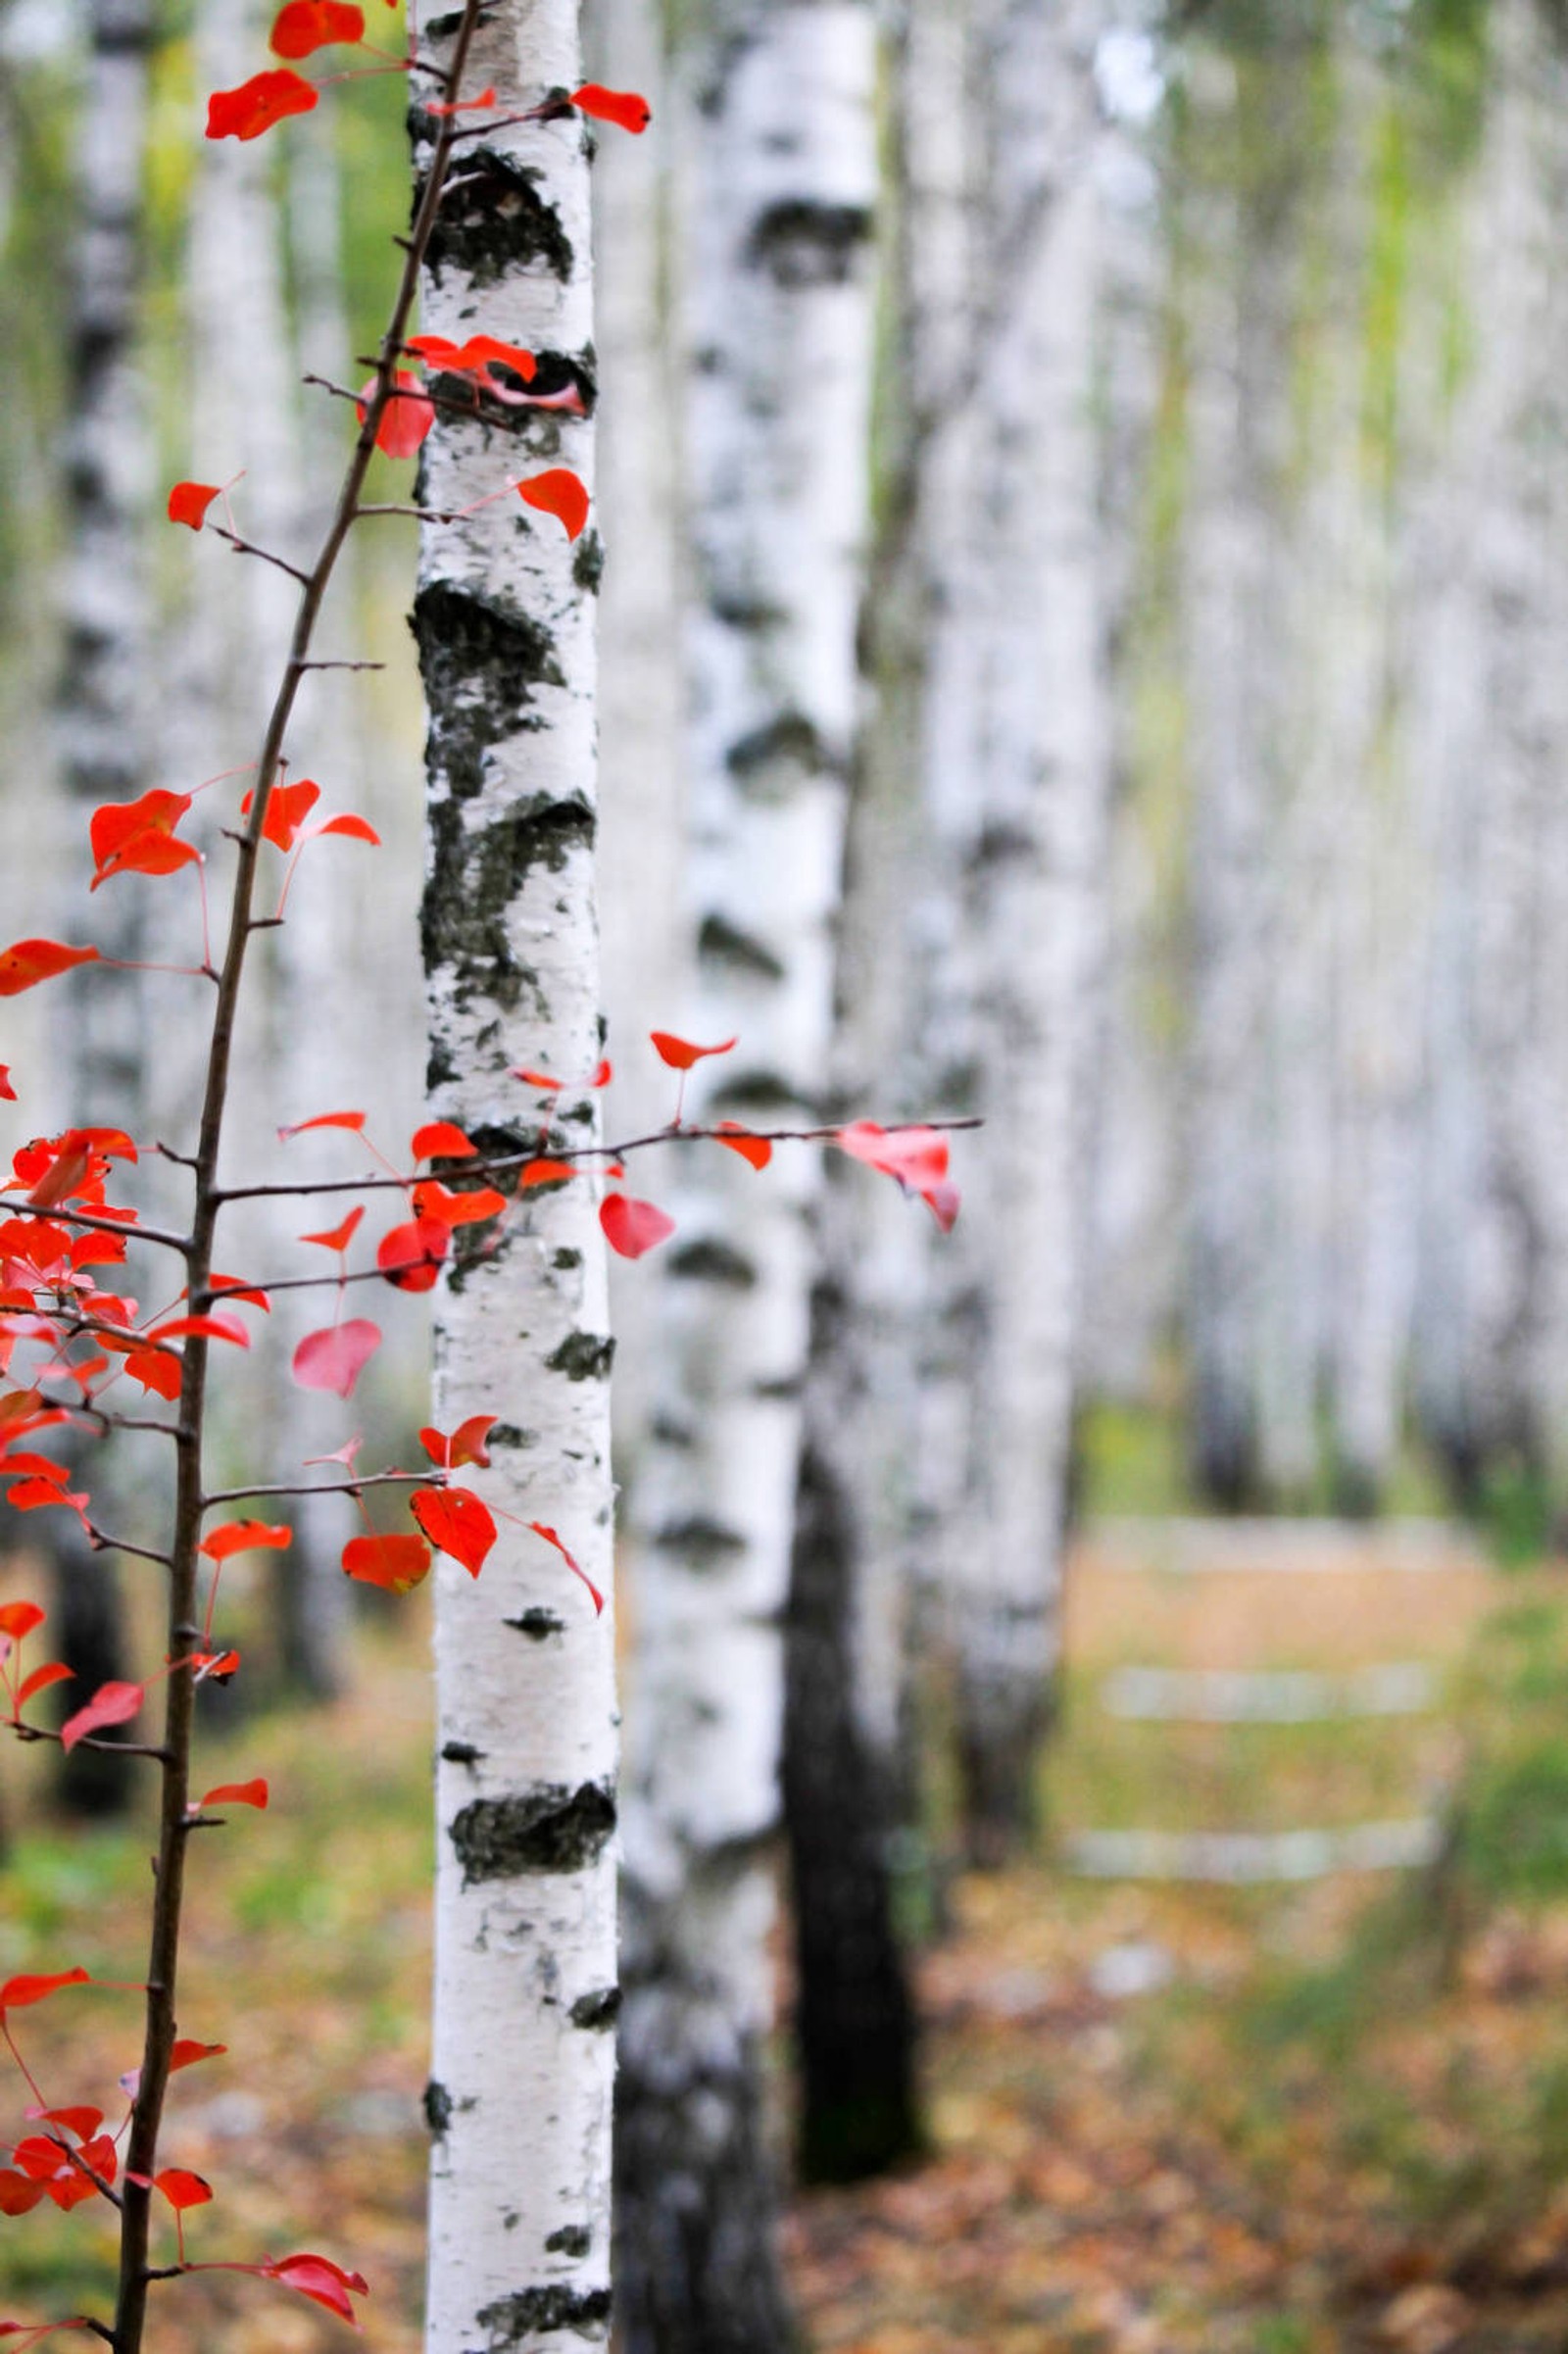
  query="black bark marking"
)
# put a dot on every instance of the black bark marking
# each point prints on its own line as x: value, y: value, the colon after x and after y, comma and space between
x: 507, y: 1434
x: 572, y: 2239
x: 494, y: 222
x: 588, y: 564
x: 548, y: 1829
x: 512, y: 2319
x: 480, y: 658
x: 802, y: 243
x: 713, y: 1262
x: 700, y: 1542
x: 537, y: 1624
x: 437, y: 2106
x: 598, y: 2010
x: 460, y: 1752
x: 722, y: 943
x: 582, y: 1357
x: 566, y: 1257
x: 791, y: 739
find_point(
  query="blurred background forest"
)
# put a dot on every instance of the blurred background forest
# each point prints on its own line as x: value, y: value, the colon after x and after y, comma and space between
x: 1161, y: 491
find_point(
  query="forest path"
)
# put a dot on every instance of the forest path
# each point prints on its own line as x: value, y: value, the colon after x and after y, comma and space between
x: 1272, y: 2120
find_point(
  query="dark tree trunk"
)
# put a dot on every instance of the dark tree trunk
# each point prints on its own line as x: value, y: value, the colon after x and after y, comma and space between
x: 854, y: 2023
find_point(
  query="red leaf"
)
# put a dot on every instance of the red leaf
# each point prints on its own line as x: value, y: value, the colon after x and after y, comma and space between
x: 306, y: 26
x: 680, y: 1054
x: 318, y: 2279
x: 460, y: 106
x: 266, y: 98
x: 357, y: 828
x: 186, y: 2054
x: 434, y: 1202
x: 481, y: 353
x: 466, y: 1445
x: 188, y: 502
x: 407, y: 417
x: 234, y: 1287
x: 396, y: 1562
x: 340, y: 1237
x: 7, y: 1093
x: 156, y: 1370
x: 440, y: 1140
x: 18, y: 2192
x: 209, y: 1328
x: 544, y: 1172
x: 621, y: 106
x: 287, y: 807
x: 180, y: 2186
x: 455, y: 1522
x: 755, y: 1149
x: 354, y: 1121
x: 561, y: 493
x: 35, y: 1496
x: 68, y: 2191
x: 601, y: 1077
x: 31, y: 1988
x: 410, y: 1256
x: 237, y: 1793
x: 111, y: 1704
x: 941, y: 1200
x: 137, y: 837
x: 632, y: 1227
x: 26, y: 962
x: 246, y: 1536
x: 83, y: 2122
x: 335, y: 1357
x: 916, y: 1157
x: 101, y: 2156
x: 539, y: 1529
x: 17, y: 1619
x: 55, y: 1672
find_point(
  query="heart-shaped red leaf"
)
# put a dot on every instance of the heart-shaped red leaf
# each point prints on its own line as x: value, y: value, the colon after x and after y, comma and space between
x: 441, y: 1140
x: 335, y: 1357
x: 561, y: 493
x: 246, y: 1536
x: 407, y: 417
x: 455, y: 1523
x: 180, y: 2186
x: 632, y: 1227
x: 395, y: 1562
x: 410, y: 1256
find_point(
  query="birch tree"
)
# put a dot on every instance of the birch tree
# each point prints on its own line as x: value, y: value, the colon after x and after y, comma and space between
x: 519, y: 2097
x: 779, y: 155
x: 103, y: 716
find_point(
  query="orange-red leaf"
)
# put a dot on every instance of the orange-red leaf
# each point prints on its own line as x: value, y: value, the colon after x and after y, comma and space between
x: 35, y: 1496
x: 54, y: 1671
x: 207, y: 1328
x: 188, y: 502
x: 632, y: 1227
x: 354, y: 1121
x: 455, y: 1522
x: 180, y: 2186
x: 433, y: 1199
x: 82, y: 2121
x: 306, y: 26
x: 544, y: 1172
x: 680, y: 1053
x: 318, y: 2279
x: 410, y: 1256
x: 17, y: 1619
x: 287, y: 807
x: 19, y: 2193
x: 479, y: 354
x: 441, y: 1140
x: 600, y: 1076
x: 467, y: 1444
x: 338, y: 1237
x: 137, y: 837
x: 625, y: 107
x: 542, y: 1529
x: 256, y: 105
x: 395, y: 1562
x: 755, y: 1149
x: 335, y: 1357
x: 187, y: 2051
x: 8, y: 1094
x: 407, y: 417
x: 461, y: 106
x: 247, y: 1537
x: 234, y: 1287
x: 347, y: 821
x: 238, y: 1793
x: 111, y: 1704
x: 32, y: 1987
x: 561, y: 493
x: 155, y: 1369
x: 26, y: 962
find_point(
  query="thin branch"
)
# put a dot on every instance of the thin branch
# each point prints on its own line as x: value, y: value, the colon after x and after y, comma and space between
x: 319, y: 664
x: 103, y: 1542
x: 90, y: 1741
x: 435, y: 1477
x: 248, y: 547
x: 64, y: 1215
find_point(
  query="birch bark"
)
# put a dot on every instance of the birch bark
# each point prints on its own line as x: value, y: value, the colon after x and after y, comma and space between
x: 1016, y: 777
x: 520, y: 2098
x: 781, y: 168
x: 102, y: 720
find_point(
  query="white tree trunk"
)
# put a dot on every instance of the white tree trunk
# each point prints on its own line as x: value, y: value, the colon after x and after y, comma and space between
x: 519, y: 2100
x: 782, y: 162
x: 1018, y: 774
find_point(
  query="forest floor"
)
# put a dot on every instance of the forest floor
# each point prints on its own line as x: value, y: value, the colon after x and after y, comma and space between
x: 1274, y: 2119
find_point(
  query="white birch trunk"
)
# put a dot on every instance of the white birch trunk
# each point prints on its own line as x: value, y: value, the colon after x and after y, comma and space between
x: 1018, y: 774
x: 781, y: 160
x: 519, y: 2102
